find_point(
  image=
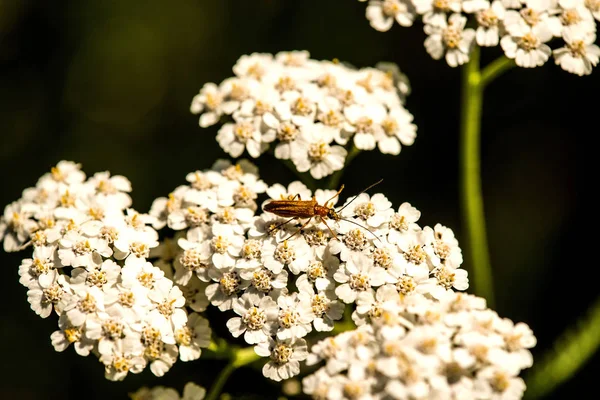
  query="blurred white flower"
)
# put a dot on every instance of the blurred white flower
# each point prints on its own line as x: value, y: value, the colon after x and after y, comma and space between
x: 489, y: 20
x: 244, y: 134
x: 416, y: 357
x: 580, y: 54
x: 191, y: 391
x: 382, y: 14
x: 450, y: 39
x: 209, y: 100
x: 16, y: 225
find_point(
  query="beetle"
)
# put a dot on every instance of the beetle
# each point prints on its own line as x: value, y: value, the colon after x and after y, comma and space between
x: 293, y: 209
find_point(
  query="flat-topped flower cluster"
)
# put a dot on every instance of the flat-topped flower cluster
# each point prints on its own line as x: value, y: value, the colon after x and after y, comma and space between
x: 312, y: 112
x: 88, y: 265
x: 523, y: 28
x: 415, y: 347
x: 282, y: 282
x: 280, y: 279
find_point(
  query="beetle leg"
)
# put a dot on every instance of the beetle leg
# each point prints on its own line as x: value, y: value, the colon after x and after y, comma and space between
x: 333, y: 234
x: 279, y: 225
x: 289, y: 197
x: 299, y: 229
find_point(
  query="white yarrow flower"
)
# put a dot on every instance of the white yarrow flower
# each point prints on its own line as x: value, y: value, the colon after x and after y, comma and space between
x: 209, y: 100
x: 314, y: 152
x: 527, y: 46
x: 382, y: 14
x: 488, y: 20
x: 242, y: 135
x: 193, y: 337
x: 255, y: 322
x: 580, y: 54
x: 357, y: 275
x: 284, y: 357
x: 450, y: 39
x: 167, y: 313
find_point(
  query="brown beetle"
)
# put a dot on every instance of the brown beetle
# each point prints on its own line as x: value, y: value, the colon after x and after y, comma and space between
x: 310, y: 209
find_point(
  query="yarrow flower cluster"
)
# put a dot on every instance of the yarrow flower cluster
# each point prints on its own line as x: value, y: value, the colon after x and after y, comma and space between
x: 415, y: 347
x: 283, y: 279
x: 312, y: 112
x: 191, y: 391
x: 523, y: 28
x: 279, y: 279
x: 89, y: 266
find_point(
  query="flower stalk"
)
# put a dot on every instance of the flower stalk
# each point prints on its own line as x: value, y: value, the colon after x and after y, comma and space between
x: 239, y: 358
x: 470, y: 175
x: 474, y: 81
x: 495, y: 69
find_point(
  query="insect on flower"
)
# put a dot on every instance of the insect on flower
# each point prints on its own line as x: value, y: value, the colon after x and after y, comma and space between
x: 297, y: 208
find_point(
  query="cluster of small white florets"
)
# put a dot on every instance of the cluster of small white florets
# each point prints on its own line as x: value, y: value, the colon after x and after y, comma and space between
x: 311, y: 111
x: 523, y: 28
x: 283, y: 281
x: 191, y: 391
x: 415, y: 347
x: 89, y: 265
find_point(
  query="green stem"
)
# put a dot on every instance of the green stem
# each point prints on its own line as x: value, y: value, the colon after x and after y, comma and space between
x: 240, y: 357
x: 472, y: 198
x: 217, y: 349
x: 244, y: 356
x: 213, y: 346
x: 217, y: 386
x: 495, y: 69
x: 334, y: 181
x: 571, y: 351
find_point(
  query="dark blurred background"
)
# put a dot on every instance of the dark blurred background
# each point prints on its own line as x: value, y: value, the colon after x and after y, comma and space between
x: 109, y: 83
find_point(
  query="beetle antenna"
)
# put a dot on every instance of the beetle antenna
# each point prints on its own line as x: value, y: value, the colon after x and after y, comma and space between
x: 355, y: 197
x: 364, y: 227
x: 335, y: 195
